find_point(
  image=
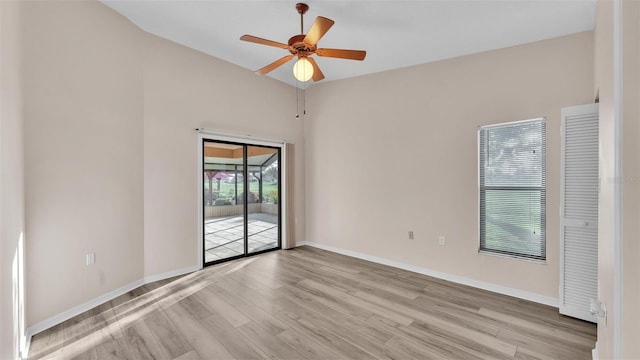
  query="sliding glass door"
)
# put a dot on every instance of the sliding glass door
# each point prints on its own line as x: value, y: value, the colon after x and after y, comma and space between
x: 224, y: 218
x: 239, y: 223
x: 264, y: 183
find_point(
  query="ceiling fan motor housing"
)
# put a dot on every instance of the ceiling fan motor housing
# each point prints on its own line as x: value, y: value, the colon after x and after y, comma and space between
x: 297, y: 46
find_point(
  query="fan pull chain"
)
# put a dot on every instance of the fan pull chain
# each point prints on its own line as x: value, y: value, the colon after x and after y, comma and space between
x: 304, y: 101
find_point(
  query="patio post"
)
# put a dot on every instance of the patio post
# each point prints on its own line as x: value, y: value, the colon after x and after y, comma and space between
x: 260, y: 185
x: 210, y: 175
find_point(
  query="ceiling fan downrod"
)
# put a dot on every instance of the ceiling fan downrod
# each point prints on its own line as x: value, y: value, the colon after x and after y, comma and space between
x: 302, y: 9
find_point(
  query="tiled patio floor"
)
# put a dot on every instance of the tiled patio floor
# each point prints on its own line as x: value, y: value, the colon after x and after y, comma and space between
x: 224, y: 236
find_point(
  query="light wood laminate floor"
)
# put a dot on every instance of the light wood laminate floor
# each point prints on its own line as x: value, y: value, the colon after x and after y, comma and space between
x: 313, y: 304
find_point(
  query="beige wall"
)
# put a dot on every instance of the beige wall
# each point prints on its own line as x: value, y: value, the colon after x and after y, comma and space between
x: 623, y: 322
x: 631, y: 185
x: 623, y: 317
x: 603, y: 81
x: 184, y: 90
x: 397, y: 151
x: 11, y: 183
x: 111, y: 151
x: 83, y: 153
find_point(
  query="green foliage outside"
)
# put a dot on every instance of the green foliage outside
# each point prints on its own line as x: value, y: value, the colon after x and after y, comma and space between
x: 273, y: 196
x: 513, y: 221
x: 228, y: 190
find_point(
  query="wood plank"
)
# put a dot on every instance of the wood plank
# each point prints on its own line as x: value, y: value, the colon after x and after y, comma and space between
x: 141, y: 344
x: 255, y: 314
x: 306, y: 345
x: 252, y: 293
x: 481, y: 339
x: 403, y: 348
x: 370, y: 285
x: 228, y: 335
x: 216, y: 304
x: 356, y: 332
x: 542, y: 346
x: 469, y: 341
x: 196, y: 334
x: 335, y: 306
x: 310, y: 308
x: 191, y: 355
x: 47, y: 342
x: 196, y: 305
x: 170, y: 340
x: 325, y: 336
x: 580, y: 341
x: 270, y: 344
x: 90, y: 354
x: 340, y: 297
x: 308, y: 303
x: 114, y: 349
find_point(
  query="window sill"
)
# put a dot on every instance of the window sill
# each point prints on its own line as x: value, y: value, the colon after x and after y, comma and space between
x: 491, y: 253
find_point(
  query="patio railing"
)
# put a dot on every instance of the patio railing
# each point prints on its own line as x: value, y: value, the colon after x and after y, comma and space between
x: 233, y: 210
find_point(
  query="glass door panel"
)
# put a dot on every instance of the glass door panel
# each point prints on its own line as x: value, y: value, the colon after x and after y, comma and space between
x: 224, y: 215
x: 263, y: 206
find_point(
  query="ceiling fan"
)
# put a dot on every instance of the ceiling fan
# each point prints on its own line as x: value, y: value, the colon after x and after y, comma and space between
x: 303, y: 46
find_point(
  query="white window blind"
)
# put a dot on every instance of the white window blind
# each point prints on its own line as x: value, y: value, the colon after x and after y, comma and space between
x: 512, y: 189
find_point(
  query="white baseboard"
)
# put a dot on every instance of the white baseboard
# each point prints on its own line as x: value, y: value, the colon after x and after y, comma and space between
x: 66, y: 315
x: 594, y: 353
x: 525, y: 295
x: 24, y: 353
x: 170, y: 274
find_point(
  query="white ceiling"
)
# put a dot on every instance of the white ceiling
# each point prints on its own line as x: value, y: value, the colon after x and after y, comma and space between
x: 395, y: 34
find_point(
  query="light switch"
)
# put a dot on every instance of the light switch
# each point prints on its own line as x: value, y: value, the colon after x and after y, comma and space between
x: 91, y: 258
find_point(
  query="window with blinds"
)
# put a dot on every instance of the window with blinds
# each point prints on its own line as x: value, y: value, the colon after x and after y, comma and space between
x: 512, y: 189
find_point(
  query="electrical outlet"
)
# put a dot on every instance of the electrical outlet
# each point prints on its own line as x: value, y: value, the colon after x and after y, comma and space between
x: 410, y: 235
x: 441, y: 240
x: 91, y: 258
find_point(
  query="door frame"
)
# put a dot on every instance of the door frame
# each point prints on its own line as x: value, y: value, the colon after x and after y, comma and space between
x: 202, y: 136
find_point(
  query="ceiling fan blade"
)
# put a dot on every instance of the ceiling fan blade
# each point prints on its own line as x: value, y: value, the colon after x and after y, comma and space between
x: 267, y: 69
x: 318, y: 29
x: 342, y: 54
x: 257, y: 40
x: 317, y: 73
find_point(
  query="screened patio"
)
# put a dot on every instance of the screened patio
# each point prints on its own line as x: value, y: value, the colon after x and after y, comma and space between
x: 224, y: 200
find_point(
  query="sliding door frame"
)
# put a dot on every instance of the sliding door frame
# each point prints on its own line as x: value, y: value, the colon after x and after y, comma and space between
x: 282, y: 186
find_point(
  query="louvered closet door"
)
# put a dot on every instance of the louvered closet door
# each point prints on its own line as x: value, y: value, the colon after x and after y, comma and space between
x: 579, y: 211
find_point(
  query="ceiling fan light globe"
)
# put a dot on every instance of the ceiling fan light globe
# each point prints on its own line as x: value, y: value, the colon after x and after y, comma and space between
x: 303, y: 70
